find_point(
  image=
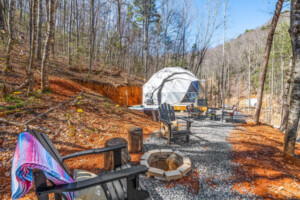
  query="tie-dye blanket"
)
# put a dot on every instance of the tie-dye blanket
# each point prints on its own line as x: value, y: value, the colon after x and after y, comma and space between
x: 29, y: 155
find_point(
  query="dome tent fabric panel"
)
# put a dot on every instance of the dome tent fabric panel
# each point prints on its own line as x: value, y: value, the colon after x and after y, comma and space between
x: 169, y: 85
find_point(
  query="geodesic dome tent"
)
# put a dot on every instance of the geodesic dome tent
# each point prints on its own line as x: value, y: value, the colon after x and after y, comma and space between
x: 171, y: 85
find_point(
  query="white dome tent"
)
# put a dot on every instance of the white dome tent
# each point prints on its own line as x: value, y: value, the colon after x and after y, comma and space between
x: 171, y: 85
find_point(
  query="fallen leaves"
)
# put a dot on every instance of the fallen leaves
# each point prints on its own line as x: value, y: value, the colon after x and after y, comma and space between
x: 262, y: 167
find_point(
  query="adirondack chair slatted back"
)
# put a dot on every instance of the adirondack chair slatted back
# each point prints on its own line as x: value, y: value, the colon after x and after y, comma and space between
x: 48, y: 145
x: 162, y: 114
x: 171, y: 112
x: 166, y: 112
x: 164, y: 106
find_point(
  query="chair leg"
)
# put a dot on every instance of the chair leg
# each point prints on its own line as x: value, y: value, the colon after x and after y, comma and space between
x: 132, y: 189
x: 159, y: 126
x: 187, y: 139
x: 169, y: 136
x: 169, y: 133
x: 40, y: 182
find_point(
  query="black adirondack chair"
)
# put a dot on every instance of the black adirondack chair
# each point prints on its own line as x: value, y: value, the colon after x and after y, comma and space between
x: 194, y: 111
x: 166, y: 116
x: 123, y: 183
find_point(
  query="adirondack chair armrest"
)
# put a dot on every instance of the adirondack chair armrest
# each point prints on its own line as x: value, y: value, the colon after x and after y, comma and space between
x: 184, y: 119
x: 166, y: 122
x: 95, y: 151
x: 129, y: 174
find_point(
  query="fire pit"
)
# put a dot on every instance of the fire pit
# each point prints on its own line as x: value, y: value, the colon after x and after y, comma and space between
x: 166, y: 164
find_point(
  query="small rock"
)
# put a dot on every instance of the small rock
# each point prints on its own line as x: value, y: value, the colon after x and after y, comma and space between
x: 7, y: 174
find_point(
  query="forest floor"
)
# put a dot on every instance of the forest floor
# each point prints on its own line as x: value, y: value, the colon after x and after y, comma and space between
x: 262, y: 169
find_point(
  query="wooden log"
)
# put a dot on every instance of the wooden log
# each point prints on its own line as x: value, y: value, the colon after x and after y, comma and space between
x: 135, y: 139
x: 109, y: 156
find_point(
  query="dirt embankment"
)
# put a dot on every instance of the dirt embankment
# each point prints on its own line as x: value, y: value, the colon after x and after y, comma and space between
x: 127, y: 95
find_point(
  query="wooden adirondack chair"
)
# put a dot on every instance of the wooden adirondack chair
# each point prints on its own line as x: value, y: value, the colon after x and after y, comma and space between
x: 229, y: 113
x: 120, y: 184
x: 166, y: 116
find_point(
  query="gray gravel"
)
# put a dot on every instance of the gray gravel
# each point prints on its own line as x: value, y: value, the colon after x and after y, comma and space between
x: 210, y: 155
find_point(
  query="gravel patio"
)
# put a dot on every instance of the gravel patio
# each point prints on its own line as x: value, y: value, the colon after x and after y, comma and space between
x: 210, y: 155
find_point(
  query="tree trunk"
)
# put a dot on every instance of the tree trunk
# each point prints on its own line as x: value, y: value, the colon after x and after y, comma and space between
x: 77, y: 27
x: 64, y: 25
x: 228, y: 82
x: 282, y: 80
x: 223, y: 59
x: 70, y: 32
x: 47, y: 47
x: 266, y: 60
x: 146, y: 49
x: 249, y: 80
x: 92, y: 36
x: 21, y: 9
x: 33, y: 46
x: 285, y: 98
x: 11, y: 40
x: 30, y: 26
x: 272, y: 89
x: 39, y: 34
x: 2, y: 17
x: 294, y: 115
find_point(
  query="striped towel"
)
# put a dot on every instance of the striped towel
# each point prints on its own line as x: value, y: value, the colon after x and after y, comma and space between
x: 29, y: 155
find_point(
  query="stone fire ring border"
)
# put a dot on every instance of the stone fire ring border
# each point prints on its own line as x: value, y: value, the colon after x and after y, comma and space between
x: 180, y: 172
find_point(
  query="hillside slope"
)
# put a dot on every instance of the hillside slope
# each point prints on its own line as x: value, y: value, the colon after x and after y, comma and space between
x: 85, y: 125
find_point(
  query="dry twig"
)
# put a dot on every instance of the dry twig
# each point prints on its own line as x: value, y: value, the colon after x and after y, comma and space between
x: 51, y: 109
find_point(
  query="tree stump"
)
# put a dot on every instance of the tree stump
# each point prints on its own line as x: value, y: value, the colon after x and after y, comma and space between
x: 135, y: 139
x: 109, y: 156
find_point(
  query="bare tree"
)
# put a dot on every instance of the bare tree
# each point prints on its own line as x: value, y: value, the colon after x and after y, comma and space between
x: 206, y: 33
x: 266, y: 60
x: 286, y: 94
x: 294, y: 115
x: 33, y: 27
x: 47, y: 47
x: 70, y: 32
x: 92, y: 35
x: 39, y: 34
x: 11, y: 40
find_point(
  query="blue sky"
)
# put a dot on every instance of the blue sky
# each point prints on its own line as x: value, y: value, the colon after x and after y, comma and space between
x: 243, y: 15
x: 248, y: 14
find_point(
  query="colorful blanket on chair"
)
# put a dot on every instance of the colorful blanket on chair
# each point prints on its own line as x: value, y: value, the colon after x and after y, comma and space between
x: 29, y: 155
